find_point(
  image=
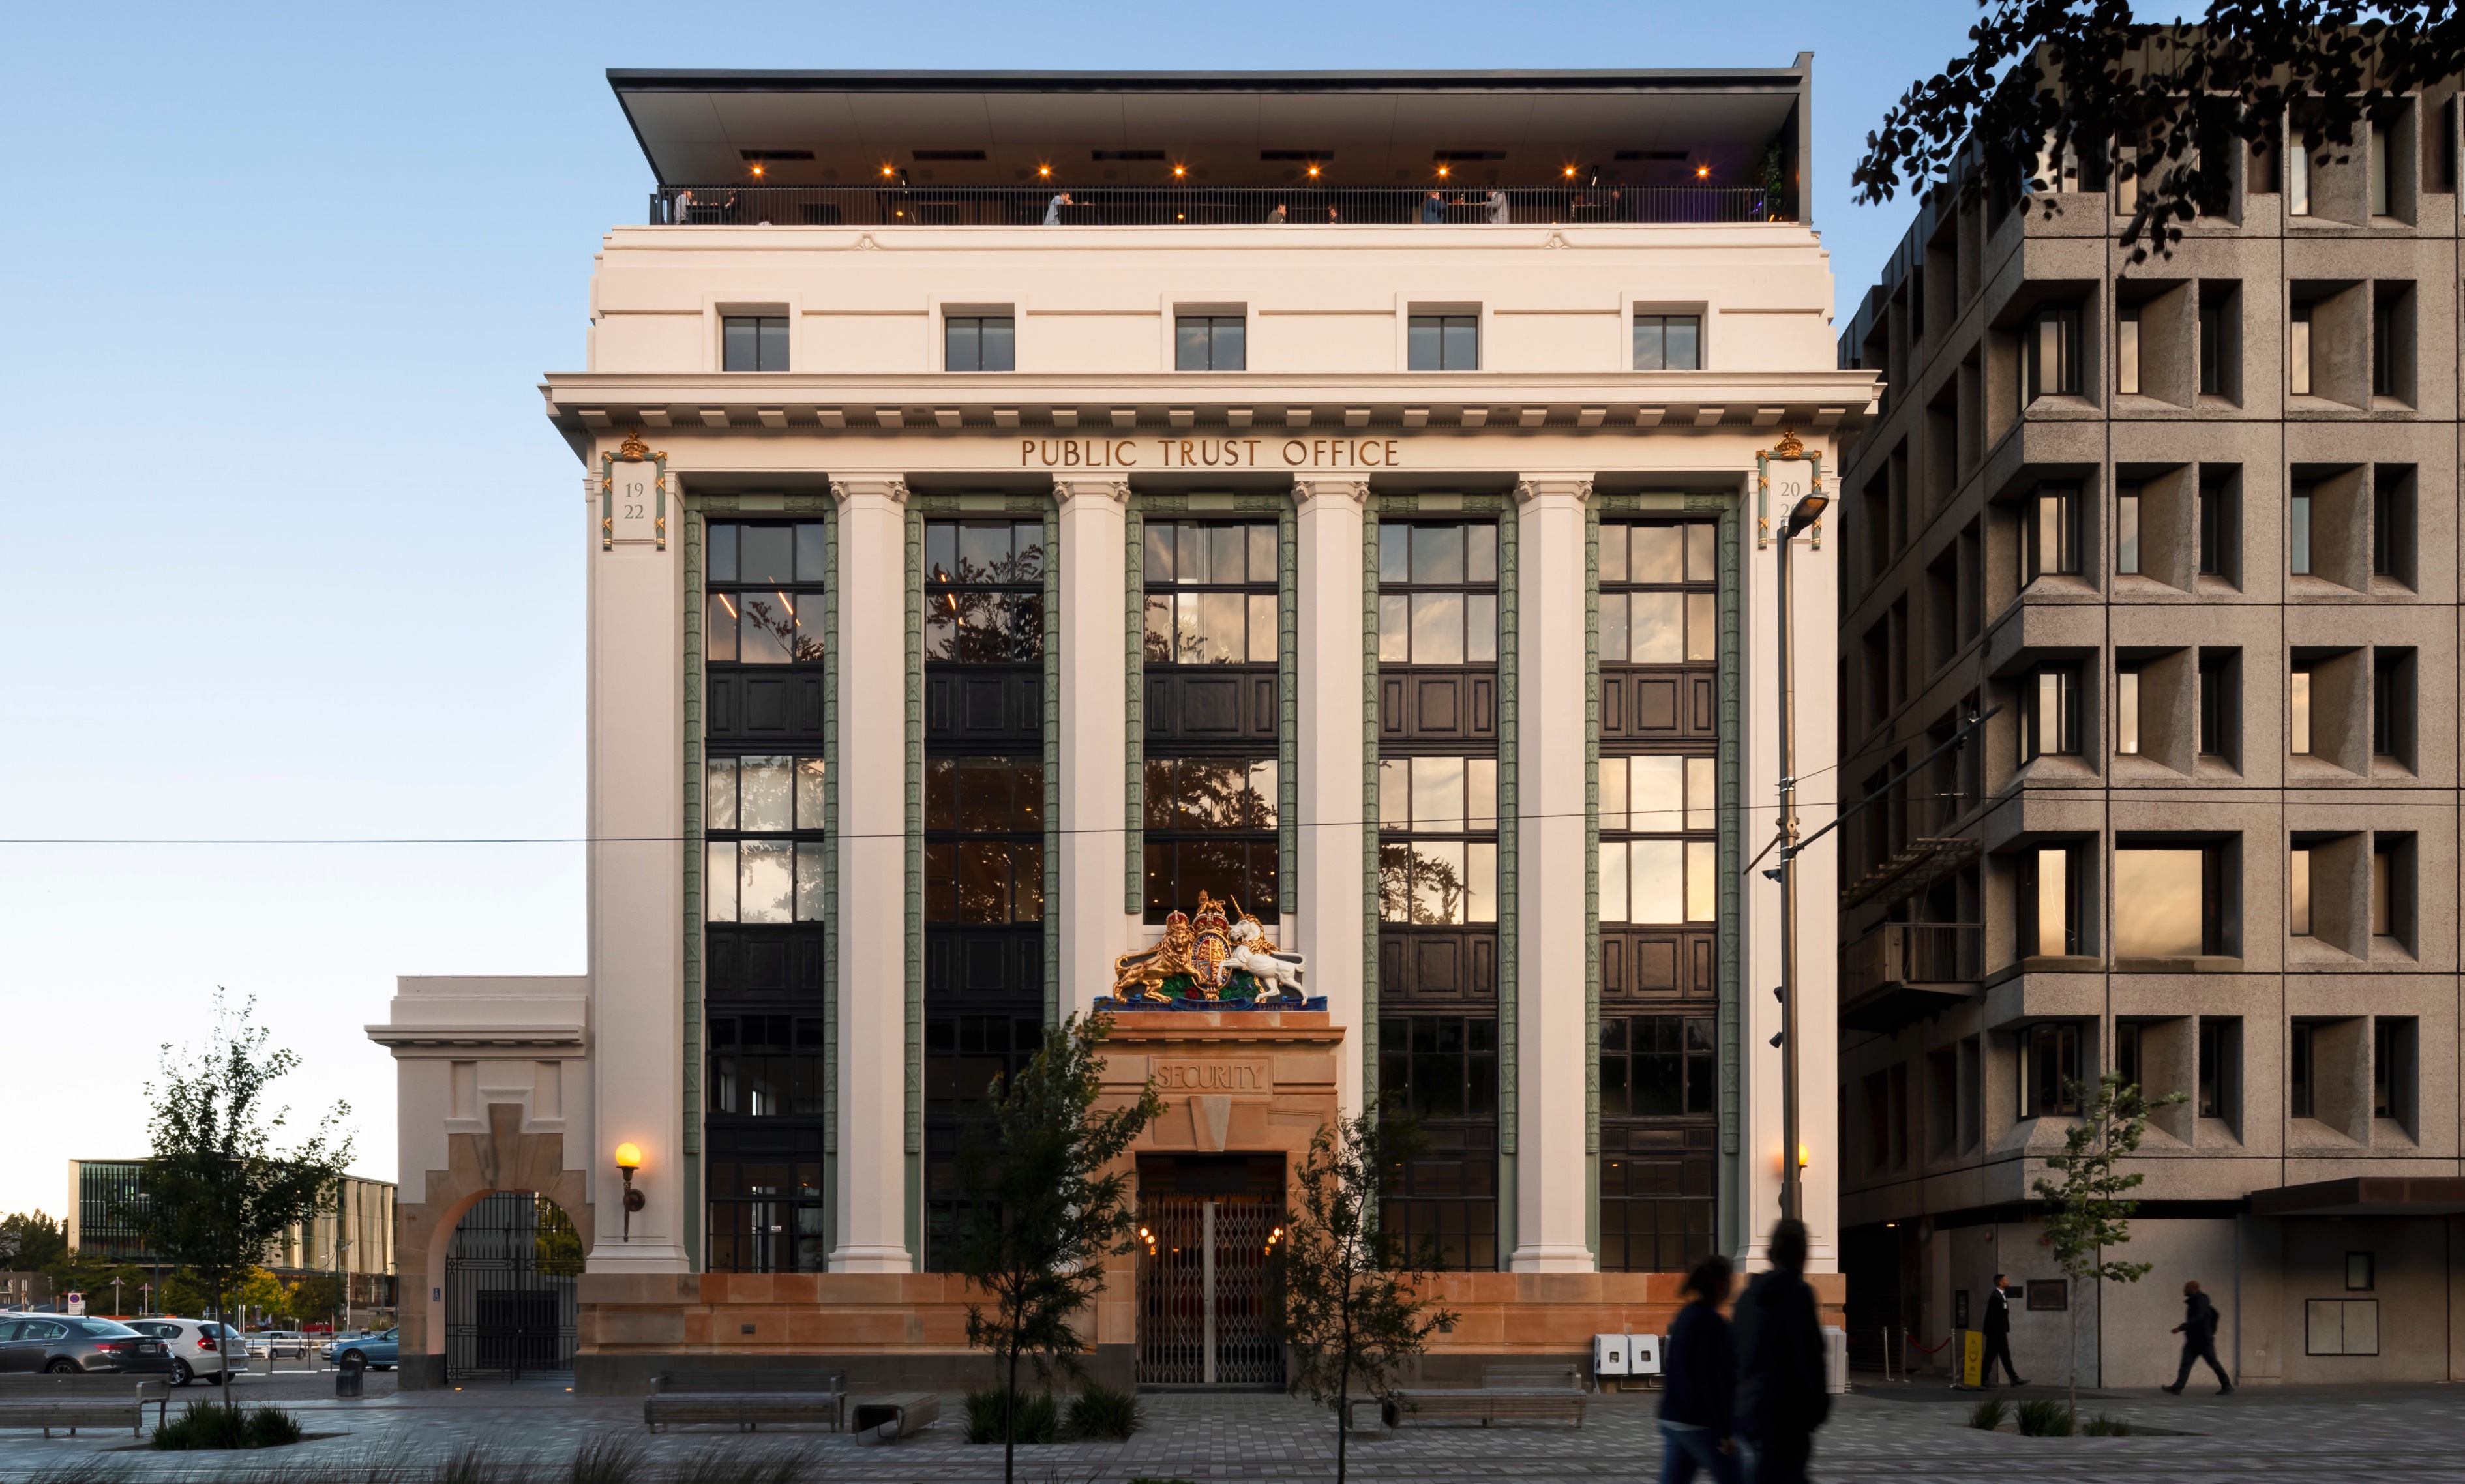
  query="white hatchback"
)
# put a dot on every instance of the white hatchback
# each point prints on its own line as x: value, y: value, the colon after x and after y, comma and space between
x: 201, y: 1349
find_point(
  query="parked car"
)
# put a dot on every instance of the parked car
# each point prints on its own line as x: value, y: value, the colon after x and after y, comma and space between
x: 277, y: 1343
x: 379, y: 1352
x: 199, y: 1348
x: 62, y: 1345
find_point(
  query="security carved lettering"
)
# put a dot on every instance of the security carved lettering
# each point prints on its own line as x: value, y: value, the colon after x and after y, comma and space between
x: 1207, y: 1076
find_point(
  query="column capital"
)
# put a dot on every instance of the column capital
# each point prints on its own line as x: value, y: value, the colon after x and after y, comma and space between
x: 1540, y: 486
x: 1308, y: 489
x: 1117, y: 491
x: 849, y: 491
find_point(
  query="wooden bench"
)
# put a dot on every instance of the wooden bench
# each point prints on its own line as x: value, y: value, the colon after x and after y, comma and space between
x: 886, y: 1418
x: 1507, y: 1393
x: 82, y: 1401
x: 747, y: 1398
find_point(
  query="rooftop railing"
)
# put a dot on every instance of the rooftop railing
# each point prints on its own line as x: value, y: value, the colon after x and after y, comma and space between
x: 1170, y: 205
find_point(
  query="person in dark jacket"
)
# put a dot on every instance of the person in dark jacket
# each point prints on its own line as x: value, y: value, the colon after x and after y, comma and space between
x: 1699, y: 1380
x: 1998, y: 1335
x: 2199, y: 1332
x: 1782, y: 1397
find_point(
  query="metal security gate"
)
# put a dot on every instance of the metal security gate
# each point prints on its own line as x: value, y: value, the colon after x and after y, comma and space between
x: 1206, y: 1292
x: 509, y: 1289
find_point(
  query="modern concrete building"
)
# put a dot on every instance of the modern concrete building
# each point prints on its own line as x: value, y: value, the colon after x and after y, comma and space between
x: 2185, y: 532
x: 1026, y: 514
x: 354, y: 1243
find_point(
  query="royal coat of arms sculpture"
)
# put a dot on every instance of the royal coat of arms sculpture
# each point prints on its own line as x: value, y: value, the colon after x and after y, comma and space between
x: 1209, y: 959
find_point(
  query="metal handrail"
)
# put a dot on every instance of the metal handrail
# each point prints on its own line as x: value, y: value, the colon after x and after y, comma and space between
x: 890, y: 204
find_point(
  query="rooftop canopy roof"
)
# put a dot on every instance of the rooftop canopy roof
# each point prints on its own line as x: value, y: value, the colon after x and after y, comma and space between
x: 1222, y: 129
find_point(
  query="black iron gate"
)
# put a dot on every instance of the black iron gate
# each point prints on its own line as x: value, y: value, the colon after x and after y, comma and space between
x: 509, y: 1289
x: 1207, y: 1296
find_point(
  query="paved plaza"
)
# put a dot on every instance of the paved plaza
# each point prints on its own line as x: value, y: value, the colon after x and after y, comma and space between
x: 1880, y: 1432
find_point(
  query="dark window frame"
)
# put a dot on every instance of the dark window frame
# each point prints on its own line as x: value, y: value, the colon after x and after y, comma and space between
x: 753, y: 343
x: 1220, y: 343
x: 1442, y: 341
x: 971, y: 342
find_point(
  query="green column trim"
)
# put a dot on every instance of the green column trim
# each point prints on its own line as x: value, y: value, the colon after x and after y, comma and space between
x: 1134, y: 719
x: 1592, y: 878
x: 1288, y: 745
x: 1510, y: 896
x: 1367, y: 1030
x: 1730, y: 854
x: 1053, y: 558
x: 691, y: 1044
x: 830, y: 873
x: 915, y: 830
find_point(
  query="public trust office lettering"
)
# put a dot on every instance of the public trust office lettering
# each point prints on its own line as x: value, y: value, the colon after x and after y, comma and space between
x: 1207, y: 1078
x: 1209, y: 452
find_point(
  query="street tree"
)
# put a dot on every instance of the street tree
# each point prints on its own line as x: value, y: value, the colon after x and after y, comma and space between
x: 2167, y: 105
x: 217, y: 1190
x: 31, y: 1242
x: 1354, y: 1310
x: 2086, y: 1210
x: 1046, y: 1207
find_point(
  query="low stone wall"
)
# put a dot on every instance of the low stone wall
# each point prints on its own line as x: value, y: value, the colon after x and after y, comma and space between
x: 909, y: 1330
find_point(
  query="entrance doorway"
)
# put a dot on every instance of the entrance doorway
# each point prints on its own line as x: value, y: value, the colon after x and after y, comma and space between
x: 1207, y: 1300
x: 509, y: 1289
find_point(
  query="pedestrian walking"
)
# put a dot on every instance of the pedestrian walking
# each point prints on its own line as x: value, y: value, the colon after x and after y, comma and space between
x: 1782, y: 1397
x: 1699, y: 1382
x: 1053, y: 207
x: 2199, y: 1332
x: 1998, y: 1335
x: 1276, y: 217
x: 1433, y: 209
x: 1499, y: 214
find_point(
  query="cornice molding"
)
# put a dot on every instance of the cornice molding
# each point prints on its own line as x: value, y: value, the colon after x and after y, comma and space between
x: 1117, y: 491
x: 1540, y: 486
x: 1308, y: 489
x: 893, y: 490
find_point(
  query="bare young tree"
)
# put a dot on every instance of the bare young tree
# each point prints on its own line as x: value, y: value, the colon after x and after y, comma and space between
x: 1353, y: 1311
x: 218, y: 1192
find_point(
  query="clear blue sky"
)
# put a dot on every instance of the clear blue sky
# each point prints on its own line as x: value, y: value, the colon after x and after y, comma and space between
x: 290, y: 549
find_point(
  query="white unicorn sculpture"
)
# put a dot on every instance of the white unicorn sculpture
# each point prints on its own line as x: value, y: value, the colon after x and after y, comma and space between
x: 1255, y: 954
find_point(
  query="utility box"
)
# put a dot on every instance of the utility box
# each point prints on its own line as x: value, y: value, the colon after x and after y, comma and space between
x: 1643, y: 1355
x: 1609, y: 1355
x: 1836, y: 1357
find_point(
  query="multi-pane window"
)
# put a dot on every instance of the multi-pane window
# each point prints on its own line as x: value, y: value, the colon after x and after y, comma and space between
x: 2298, y: 531
x: 963, y: 1056
x: 984, y: 839
x: 2217, y: 1044
x: 2126, y: 350
x: 1668, y: 342
x: 1656, y: 1066
x: 2299, y: 1072
x: 753, y: 343
x: 2126, y: 711
x: 1210, y: 342
x: 766, y: 1210
x: 764, y: 852
x: 2392, y: 1072
x: 754, y: 613
x: 2050, y: 354
x: 2048, y: 532
x: 765, y: 862
x: 1210, y: 826
x: 1441, y: 1071
x: 2048, y: 713
x: 766, y: 1065
x: 2050, y: 1070
x: 979, y: 343
x: 1438, y: 832
x: 1437, y: 594
x: 1659, y: 1085
x: 2127, y: 530
x: 2049, y: 903
x: 1659, y: 601
x: 984, y: 591
x: 1443, y: 343
x: 1210, y: 640
x: 1210, y: 593
x: 1665, y: 870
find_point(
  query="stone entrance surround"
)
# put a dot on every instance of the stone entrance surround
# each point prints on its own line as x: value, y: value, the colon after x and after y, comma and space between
x: 1249, y: 1082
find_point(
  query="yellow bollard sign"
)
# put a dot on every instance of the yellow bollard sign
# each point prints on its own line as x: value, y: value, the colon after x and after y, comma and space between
x: 1972, y: 1357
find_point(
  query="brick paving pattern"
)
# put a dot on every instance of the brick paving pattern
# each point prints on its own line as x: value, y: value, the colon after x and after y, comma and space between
x: 1900, y: 1433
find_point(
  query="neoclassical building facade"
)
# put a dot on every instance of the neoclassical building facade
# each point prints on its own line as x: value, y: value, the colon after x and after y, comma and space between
x: 1026, y: 516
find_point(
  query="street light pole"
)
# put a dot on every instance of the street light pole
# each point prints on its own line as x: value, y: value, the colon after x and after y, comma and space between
x: 1805, y: 511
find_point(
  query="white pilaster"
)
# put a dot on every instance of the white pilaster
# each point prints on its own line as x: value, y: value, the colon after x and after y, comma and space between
x: 637, y: 893
x: 871, y: 1191
x: 1815, y: 574
x: 1095, y: 750
x: 1551, y: 1183
x: 1330, y: 752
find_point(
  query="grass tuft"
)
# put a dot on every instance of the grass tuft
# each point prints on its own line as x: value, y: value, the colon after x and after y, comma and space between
x: 2101, y: 1425
x: 2045, y: 1419
x: 1098, y: 1411
x: 1987, y: 1415
x: 1038, y: 1420
x: 227, y: 1426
